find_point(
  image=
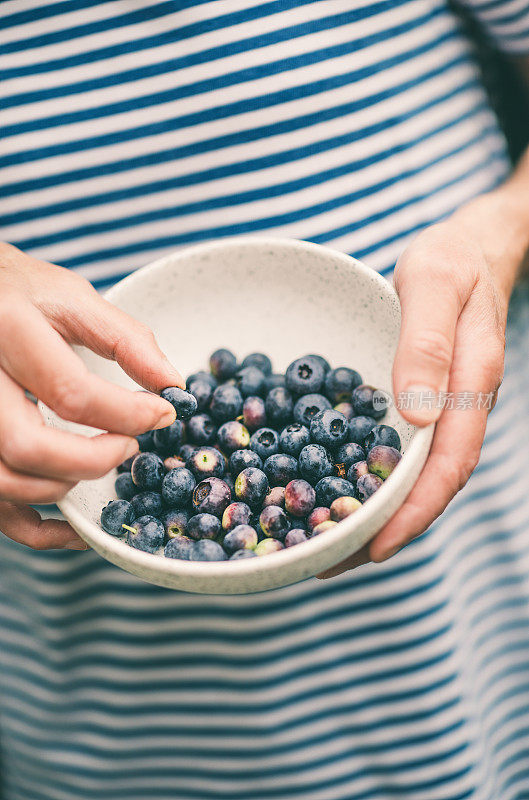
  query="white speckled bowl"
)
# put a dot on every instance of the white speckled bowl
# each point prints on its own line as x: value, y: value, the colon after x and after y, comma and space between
x: 285, y: 298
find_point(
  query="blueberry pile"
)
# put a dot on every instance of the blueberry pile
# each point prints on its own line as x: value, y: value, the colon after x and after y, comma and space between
x: 254, y: 462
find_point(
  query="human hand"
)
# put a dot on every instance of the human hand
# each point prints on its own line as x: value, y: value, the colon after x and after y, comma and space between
x: 43, y: 308
x: 454, y: 282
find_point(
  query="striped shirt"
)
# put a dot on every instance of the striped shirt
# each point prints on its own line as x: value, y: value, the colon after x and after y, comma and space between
x: 129, y: 130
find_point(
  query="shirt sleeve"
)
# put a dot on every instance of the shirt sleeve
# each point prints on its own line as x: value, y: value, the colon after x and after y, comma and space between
x: 505, y: 22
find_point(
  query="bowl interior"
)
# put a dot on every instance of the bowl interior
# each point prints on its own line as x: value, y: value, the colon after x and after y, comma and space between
x: 285, y: 298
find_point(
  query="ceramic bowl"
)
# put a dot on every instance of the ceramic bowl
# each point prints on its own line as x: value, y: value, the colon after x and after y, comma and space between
x: 286, y: 298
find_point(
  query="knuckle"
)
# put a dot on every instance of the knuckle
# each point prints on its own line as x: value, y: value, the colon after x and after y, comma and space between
x: 69, y: 398
x: 458, y: 473
x: 17, y: 449
x: 433, y: 346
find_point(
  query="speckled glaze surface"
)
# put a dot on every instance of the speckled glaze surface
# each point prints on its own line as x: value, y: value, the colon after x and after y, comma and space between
x: 285, y: 298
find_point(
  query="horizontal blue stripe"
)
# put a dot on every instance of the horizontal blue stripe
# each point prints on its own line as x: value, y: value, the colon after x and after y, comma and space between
x: 49, y: 10
x: 213, y: 53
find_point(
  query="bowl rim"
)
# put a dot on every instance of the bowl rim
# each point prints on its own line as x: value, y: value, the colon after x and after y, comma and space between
x: 154, y: 563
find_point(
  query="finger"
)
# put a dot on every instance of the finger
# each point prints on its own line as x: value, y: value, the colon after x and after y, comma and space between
x: 351, y: 562
x: 29, y: 446
x: 456, y: 444
x: 38, y: 359
x: 110, y: 332
x: 431, y: 305
x: 24, y: 525
x: 28, y: 489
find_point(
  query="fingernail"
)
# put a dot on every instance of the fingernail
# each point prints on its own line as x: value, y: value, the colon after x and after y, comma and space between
x: 167, y: 418
x: 423, y: 402
x: 76, y: 544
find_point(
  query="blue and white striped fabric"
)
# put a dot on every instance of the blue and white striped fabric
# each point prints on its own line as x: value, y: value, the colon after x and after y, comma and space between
x: 130, y: 129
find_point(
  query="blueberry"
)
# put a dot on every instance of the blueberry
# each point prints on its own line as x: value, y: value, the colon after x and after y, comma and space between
x: 126, y: 465
x: 268, y: 546
x: 184, y: 403
x: 278, y: 406
x: 251, y: 487
x: 382, y: 434
x: 204, y: 376
x: 275, y: 497
x: 233, y: 436
x: 296, y: 522
x: 316, y: 517
x: 243, y: 537
x: 274, y: 380
x: 328, y: 489
x: 300, y: 498
x: 340, y: 382
x: 253, y: 413
x: 222, y: 364
x: 177, y: 487
x: 274, y: 522
x: 202, y: 391
x: 382, y: 460
x: 116, y: 514
x: 367, y: 485
x: 265, y: 442
x: 280, y: 469
x: 179, y: 547
x: 146, y: 441
x: 236, y: 514
x: 295, y: 536
x: 147, y: 504
x: 203, y: 526
x: 147, y: 471
x: 226, y: 403
x: 347, y: 454
x: 259, y: 360
x: 365, y: 401
x: 201, y: 429
x: 294, y: 438
x: 147, y: 534
x: 329, y: 428
x: 321, y: 360
x: 346, y: 409
x: 124, y: 486
x: 243, y: 554
x: 308, y: 406
x: 342, y: 507
x: 212, y: 496
x: 241, y: 459
x: 305, y: 376
x: 250, y: 381
x: 230, y: 480
x: 356, y: 470
x: 173, y: 462
x: 359, y: 428
x: 206, y: 550
x: 186, y: 451
x: 315, y: 463
x: 207, y: 462
x: 323, y: 526
x: 169, y: 440
x: 175, y: 521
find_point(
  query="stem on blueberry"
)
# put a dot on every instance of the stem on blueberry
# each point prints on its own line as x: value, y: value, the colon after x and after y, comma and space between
x: 128, y: 528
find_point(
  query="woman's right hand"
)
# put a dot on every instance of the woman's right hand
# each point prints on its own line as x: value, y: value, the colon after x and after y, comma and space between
x: 43, y: 309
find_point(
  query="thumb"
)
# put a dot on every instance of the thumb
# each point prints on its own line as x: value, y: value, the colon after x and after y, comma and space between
x: 431, y: 305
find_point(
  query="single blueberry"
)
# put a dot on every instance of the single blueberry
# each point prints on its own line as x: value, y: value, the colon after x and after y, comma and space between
x: 300, y: 498
x: 177, y: 487
x: 175, y: 521
x: 274, y: 522
x: 280, y: 469
x: 295, y: 536
x: 233, y: 436
x: 147, y: 471
x: 243, y: 554
x: 382, y: 460
x: 254, y: 413
x: 168, y: 441
x: 184, y: 403
x: 321, y: 360
x: 251, y: 487
x: 236, y: 514
x: 147, y: 534
x: 328, y: 489
x: 201, y: 375
x: 320, y: 514
x: 329, y: 428
x: 365, y: 400
x: 201, y: 429
x: 259, y: 360
x: 145, y: 441
x: 202, y: 391
x: 382, y: 434
x: 265, y: 442
x: 147, y: 504
x: 267, y: 546
x: 203, y: 526
x: 179, y: 547
x: 226, y: 403
x: 308, y: 406
x: 348, y: 454
x: 305, y: 376
x: 367, y: 485
x: 222, y: 364
x: 124, y: 486
x: 359, y: 428
x: 250, y: 381
x: 278, y: 406
x: 294, y: 438
x: 340, y: 382
x: 315, y: 463
x: 275, y: 497
x: 356, y: 470
x: 207, y: 462
x: 212, y: 496
x: 241, y: 459
x: 116, y: 514
x: 242, y: 537
x: 207, y: 550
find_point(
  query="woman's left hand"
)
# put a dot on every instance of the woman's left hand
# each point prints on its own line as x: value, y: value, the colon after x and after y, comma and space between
x: 454, y: 282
